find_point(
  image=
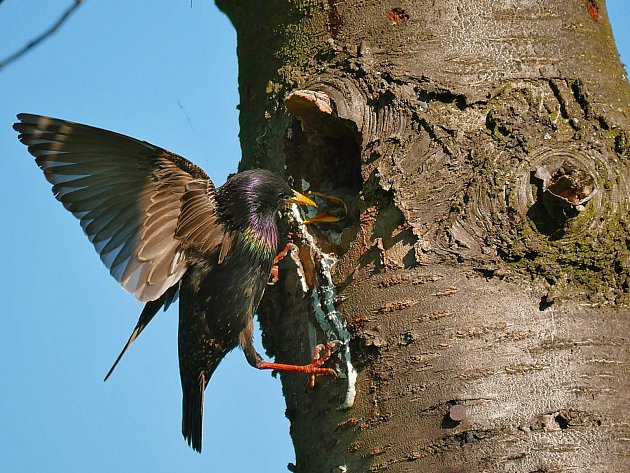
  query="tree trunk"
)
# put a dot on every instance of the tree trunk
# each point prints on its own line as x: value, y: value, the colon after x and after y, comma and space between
x: 480, y: 284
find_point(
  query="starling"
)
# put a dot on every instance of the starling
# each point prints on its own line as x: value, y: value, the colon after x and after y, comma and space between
x: 164, y: 232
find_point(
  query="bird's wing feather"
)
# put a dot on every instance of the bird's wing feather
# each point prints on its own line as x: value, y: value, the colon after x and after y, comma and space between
x: 140, y: 205
x: 193, y: 226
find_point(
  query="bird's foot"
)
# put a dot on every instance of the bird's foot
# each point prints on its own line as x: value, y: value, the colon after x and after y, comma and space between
x: 274, y: 269
x: 320, y: 356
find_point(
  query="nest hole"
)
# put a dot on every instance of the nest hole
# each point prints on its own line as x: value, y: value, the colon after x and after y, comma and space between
x: 323, y: 155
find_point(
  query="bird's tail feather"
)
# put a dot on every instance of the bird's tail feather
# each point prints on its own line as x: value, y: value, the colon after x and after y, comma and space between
x: 192, y: 412
x: 150, y: 309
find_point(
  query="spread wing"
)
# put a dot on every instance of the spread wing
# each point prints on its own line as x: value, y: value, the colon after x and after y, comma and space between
x: 141, y: 206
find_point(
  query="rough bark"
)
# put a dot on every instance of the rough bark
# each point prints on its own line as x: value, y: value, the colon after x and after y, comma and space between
x: 482, y: 274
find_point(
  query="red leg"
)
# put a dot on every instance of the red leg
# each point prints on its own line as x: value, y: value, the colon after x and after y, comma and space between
x: 274, y: 269
x: 320, y: 356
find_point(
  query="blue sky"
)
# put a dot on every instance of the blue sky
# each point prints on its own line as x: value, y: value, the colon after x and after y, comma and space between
x: 166, y: 74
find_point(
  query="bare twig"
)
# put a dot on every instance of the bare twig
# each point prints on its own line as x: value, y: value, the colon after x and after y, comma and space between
x: 22, y: 51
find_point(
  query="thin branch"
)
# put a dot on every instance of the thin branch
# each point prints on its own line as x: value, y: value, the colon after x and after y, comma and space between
x: 49, y: 32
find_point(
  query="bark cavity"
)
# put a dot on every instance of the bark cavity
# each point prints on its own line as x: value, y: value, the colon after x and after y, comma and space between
x: 322, y: 154
x: 564, y: 190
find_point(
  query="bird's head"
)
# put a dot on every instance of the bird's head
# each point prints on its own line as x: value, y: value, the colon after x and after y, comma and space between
x: 255, y: 197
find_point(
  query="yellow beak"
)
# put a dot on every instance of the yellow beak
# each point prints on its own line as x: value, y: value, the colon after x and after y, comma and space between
x: 301, y: 199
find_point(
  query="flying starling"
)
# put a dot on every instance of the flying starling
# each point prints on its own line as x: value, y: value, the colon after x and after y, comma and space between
x: 164, y: 231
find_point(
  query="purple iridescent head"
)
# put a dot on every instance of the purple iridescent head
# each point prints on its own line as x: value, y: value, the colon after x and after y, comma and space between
x: 254, y: 198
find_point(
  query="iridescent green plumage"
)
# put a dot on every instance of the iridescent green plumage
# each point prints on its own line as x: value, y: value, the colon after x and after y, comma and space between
x: 256, y: 244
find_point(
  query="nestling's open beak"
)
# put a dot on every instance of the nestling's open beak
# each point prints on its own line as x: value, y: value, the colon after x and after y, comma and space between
x: 327, y: 217
x: 301, y: 199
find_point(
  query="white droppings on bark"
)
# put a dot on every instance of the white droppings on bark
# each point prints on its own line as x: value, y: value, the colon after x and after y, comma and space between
x: 300, y: 269
x: 323, y: 302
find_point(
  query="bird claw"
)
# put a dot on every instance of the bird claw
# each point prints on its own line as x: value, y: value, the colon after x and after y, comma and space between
x: 274, y: 269
x: 320, y: 356
x: 274, y: 275
x: 314, y: 369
